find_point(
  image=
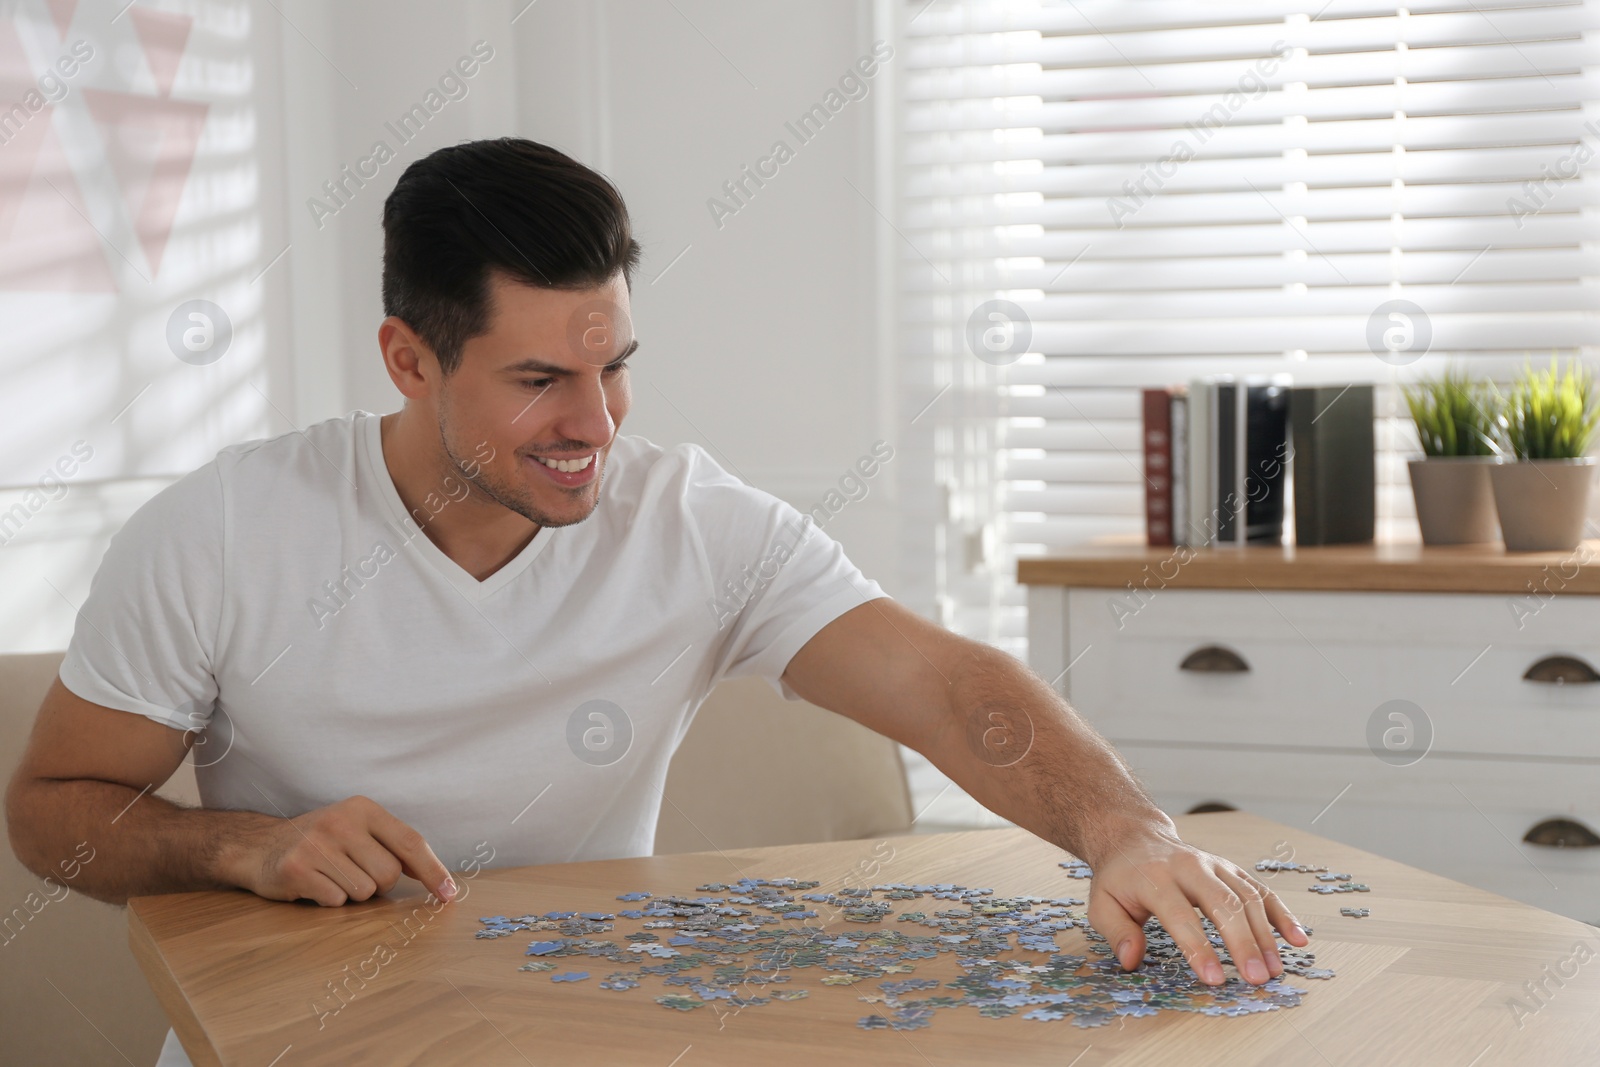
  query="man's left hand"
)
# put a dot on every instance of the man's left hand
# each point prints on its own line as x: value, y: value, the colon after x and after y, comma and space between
x: 1151, y: 872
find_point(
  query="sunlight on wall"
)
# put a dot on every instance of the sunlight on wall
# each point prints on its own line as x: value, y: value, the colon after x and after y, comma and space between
x: 133, y: 338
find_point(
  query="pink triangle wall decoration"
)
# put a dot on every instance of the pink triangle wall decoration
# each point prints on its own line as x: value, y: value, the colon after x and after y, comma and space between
x: 151, y: 145
x: 61, y: 12
x: 163, y: 35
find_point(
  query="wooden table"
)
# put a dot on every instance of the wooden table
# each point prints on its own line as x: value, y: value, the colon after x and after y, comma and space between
x: 1427, y: 979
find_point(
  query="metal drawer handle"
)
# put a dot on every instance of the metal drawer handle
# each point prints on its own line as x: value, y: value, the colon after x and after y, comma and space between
x: 1561, y: 670
x: 1562, y: 833
x: 1210, y: 806
x: 1214, y: 659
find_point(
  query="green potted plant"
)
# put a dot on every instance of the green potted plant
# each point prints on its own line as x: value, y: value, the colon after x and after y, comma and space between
x: 1548, y: 421
x: 1456, y: 422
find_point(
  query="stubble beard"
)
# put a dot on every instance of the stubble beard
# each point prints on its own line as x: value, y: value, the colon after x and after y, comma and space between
x: 515, y: 498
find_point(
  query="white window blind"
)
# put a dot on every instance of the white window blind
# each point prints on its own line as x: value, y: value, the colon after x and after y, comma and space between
x: 1169, y: 189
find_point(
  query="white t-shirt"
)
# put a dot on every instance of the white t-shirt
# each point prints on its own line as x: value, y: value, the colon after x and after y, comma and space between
x: 346, y: 653
x: 281, y: 598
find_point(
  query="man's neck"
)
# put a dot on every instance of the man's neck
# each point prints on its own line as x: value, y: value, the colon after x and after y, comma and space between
x: 477, y: 533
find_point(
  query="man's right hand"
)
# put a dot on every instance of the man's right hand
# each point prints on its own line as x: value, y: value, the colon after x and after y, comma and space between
x: 88, y: 781
x: 349, y: 850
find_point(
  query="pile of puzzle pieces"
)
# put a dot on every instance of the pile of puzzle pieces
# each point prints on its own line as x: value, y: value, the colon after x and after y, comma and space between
x: 746, y: 943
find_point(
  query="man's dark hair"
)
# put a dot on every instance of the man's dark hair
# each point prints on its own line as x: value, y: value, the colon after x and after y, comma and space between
x: 509, y: 205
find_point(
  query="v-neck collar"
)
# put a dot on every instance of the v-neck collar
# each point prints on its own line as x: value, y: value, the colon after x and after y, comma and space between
x: 470, y: 587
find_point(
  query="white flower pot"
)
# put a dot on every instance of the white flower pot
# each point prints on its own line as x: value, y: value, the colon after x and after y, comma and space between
x: 1455, y: 503
x: 1542, y: 503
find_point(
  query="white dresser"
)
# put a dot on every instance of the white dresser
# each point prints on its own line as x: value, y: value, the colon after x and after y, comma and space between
x: 1440, y: 706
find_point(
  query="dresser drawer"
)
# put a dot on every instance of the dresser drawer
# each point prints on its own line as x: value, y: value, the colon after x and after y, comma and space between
x: 1461, y: 818
x: 1328, y: 671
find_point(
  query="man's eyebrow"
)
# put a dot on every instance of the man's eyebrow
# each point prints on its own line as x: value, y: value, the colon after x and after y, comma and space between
x: 535, y: 366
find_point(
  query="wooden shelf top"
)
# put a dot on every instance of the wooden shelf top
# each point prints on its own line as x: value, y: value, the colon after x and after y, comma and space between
x: 1385, y: 568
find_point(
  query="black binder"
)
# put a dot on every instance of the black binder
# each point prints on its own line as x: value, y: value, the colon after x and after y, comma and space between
x: 1334, y: 460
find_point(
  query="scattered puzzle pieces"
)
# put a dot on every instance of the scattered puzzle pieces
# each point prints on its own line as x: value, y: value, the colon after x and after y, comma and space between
x: 1330, y: 882
x: 680, y: 1003
x: 545, y: 948
x: 1281, y: 865
x: 752, y: 933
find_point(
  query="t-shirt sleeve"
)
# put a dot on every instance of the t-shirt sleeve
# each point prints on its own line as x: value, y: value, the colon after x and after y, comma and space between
x: 145, y: 638
x: 777, y: 579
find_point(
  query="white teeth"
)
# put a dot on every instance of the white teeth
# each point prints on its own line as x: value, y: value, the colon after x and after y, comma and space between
x: 567, y: 466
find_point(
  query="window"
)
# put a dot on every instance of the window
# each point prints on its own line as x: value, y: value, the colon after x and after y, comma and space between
x: 1160, y: 189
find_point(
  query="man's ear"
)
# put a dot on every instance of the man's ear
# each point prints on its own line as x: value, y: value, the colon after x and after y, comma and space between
x: 411, y: 364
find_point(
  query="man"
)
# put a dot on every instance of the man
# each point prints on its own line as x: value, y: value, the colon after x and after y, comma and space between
x: 389, y: 691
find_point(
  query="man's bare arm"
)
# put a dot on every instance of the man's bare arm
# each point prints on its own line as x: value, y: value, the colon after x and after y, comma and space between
x: 82, y: 799
x: 1002, y: 734
x: 994, y: 727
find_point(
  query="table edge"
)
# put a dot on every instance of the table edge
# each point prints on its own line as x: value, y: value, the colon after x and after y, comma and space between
x: 179, y: 1012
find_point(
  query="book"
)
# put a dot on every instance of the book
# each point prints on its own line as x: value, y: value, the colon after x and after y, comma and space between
x: 1335, y: 485
x: 1199, y: 522
x: 1264, y: 444
x: 1250, y: 458
x: 1180, y: 466
x: 1156, y: 424
x: 1226, y: 452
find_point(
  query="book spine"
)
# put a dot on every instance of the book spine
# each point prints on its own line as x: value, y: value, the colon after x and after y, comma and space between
x: 1201, y: 523
x: 1181, y: 534
x: 1157, y: 423
x: 1221, y: 439
x: 1266, y: 459
x: 1308, y: 489
x: 1241, y: 462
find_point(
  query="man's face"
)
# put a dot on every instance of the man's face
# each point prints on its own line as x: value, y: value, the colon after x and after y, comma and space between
x: 546, y: 383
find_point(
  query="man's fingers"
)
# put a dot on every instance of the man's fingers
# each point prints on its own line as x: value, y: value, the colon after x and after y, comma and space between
x: 311, y: 872
x: 1177, y: 914
x: 1228, y: 913
x: 416, y: 858
x: 342, y: 871
x: 1260, y: 947
x: 314, y: 885
x: 1283, y: 919
x: 1122, y: 933
x: 328, y: 856
x: 377, y: 862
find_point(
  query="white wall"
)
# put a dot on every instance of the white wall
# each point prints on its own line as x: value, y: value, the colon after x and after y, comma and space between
x: 765, y: 342
x: 359, y: 67
x: 761, y: 342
